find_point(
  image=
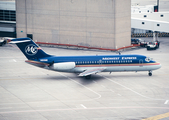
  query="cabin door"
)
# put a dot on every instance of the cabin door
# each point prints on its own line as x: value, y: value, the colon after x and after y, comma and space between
x: 100, y: 62
x: 141, y: 63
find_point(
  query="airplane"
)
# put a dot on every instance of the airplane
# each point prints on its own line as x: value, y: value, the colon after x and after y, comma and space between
x: 84, y: 65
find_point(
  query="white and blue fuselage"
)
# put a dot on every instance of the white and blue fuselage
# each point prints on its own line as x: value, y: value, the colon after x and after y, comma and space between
x: 110, y: 63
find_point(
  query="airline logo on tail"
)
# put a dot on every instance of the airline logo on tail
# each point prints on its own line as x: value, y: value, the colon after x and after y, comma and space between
x: 31, y: 49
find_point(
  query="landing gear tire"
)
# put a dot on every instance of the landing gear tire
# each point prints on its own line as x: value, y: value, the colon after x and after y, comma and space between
x: 150, y: 73
x: 88, y: 76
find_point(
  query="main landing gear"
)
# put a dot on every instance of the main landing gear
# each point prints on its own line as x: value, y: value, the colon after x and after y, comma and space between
x: 88, y: 76
x: 150, y: 73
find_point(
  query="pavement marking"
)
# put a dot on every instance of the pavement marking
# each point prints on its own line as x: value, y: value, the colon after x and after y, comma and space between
x: 14, y: 60
x: 158, y: 117
x: 119, y: 95
x: 166, y: 101
x: 83, y: 106
x: 130, y: 89
x: 94, y: 81
x: 92, y: 108
x: 111, y: 90
x: 6, y: 108
x: 99, y: 96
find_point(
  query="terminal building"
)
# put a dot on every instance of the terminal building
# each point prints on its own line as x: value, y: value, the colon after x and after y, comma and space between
x: 104, y: 24
x: 91, y: 23
x: 7, y: 19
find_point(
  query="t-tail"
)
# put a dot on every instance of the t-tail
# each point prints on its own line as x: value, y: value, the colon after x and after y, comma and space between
x: 29, y: 48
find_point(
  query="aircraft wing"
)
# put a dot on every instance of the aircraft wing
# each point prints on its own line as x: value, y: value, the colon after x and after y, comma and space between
x: 91, y: 71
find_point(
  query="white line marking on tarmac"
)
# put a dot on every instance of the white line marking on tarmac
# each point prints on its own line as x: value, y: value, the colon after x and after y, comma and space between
x: 94, y: 81
x: 130, y: 89
x: 111, y: 90
x: 93, y: 108
x: 166, y: 101
x: 118, y: 94
x: 14, y: 60
x: 6, y: 108
x: 83, y: 106
x: 99, y: 96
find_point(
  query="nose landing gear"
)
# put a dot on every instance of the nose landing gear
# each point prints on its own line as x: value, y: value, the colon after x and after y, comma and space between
x: 150, y: 73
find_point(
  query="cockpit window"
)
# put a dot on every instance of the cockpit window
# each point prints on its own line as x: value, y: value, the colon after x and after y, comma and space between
x: 148, y: 59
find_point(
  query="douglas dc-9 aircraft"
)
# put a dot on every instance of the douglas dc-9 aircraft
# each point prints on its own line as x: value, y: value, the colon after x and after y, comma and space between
x: 84, y: 65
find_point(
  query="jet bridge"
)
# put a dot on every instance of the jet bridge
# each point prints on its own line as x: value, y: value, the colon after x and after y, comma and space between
x: 156, y: 21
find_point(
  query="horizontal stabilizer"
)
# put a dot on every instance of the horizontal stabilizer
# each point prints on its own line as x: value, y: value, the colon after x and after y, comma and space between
x: 19, y: 41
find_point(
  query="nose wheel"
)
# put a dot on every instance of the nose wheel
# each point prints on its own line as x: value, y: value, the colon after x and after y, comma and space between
x: 150, y: 73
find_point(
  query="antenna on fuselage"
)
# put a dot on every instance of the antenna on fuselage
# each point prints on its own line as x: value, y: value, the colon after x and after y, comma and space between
x: 118, y: 52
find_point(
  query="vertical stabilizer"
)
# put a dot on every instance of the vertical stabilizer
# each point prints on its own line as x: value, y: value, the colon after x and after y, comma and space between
x: 29, y: 48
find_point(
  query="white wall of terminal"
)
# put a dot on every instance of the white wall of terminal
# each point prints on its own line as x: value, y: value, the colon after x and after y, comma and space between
x: 158, y: 16
x: 156, y: 21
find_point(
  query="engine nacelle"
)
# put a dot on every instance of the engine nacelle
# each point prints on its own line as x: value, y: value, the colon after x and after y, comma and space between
x: 64, y: 66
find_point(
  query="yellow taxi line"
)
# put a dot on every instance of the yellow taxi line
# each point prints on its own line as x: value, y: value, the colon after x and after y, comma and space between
x: 158, y: 117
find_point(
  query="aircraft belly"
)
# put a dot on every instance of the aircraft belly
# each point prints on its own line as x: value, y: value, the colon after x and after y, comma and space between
x: 153, y: 67
x: 125, y: 68
x: 118, y: 68
x: 132, y: 68
x: 82, y: 69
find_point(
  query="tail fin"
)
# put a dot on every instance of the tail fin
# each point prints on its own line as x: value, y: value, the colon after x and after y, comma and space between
x: 30, y: 49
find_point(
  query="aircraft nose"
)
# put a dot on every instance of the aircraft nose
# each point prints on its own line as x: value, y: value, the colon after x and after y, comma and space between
x: 158, y: 65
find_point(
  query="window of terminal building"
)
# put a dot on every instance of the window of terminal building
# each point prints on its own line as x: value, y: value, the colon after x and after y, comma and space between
x: 143, y: 23
x: 158, y: 24
x: 162, y: 15
x: 7, y: 15
x: 145, y: 15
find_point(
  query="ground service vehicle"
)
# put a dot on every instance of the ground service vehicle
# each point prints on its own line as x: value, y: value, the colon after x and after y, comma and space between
x: 2, y: 42
x: 153, y: 45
